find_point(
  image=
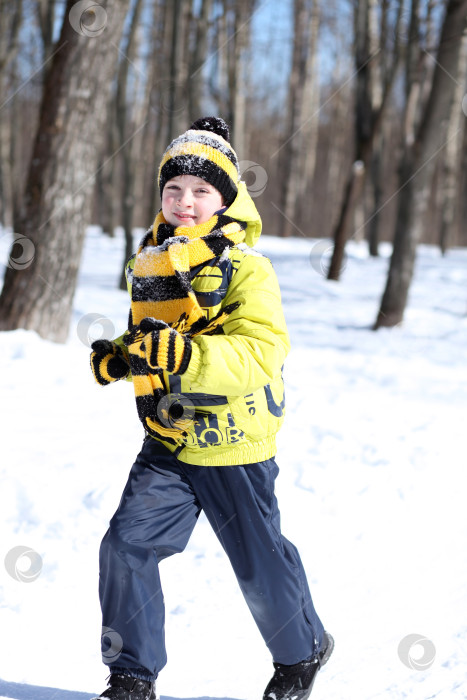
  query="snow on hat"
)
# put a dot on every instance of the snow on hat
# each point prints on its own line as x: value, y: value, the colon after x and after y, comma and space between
x: 204, y: 151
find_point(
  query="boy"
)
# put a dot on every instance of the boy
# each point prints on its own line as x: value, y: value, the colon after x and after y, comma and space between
x: 205, y: 345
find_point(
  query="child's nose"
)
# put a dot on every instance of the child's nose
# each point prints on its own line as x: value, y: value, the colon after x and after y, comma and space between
x: 185, y: 198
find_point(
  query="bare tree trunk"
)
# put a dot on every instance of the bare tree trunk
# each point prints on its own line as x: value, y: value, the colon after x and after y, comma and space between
x: 228, y: 48
x: 198, y: 57
x: 179, y: 11
x: 229, y: 68
x: 6, y: 179
x: 222, y: 93
x: 370, y: 103
x: 46, y: 16
x: 419, y: 165
x: 127, y: 151
x: 238, y: 90
x: 364, y: 133
x: 107, y: 201
x: 461, y: 229
x: 38, y: 292
x: 147, y: 114
x: 337, y: 147
x: 376, y: 170
x: 449, y: 189
x: 309, y: 119
x: 156, y: 130
x: 233, y: 42
x: 10, y: 23
x: 376, y: 162
x: 298, y: 116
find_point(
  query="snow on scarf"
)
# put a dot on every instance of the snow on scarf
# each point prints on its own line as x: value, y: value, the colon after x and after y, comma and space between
x: 161, y: 290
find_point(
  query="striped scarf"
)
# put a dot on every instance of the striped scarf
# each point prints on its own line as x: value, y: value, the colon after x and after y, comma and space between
x: 161, y: 290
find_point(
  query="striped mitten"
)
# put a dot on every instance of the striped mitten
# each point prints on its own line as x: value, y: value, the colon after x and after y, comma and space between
x: 168, y: 349
x: 108, y: 362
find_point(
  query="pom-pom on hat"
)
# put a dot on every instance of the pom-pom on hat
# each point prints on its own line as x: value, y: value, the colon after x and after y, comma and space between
x: 203, y: 151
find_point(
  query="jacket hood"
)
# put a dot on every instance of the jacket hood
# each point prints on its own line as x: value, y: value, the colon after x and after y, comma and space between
x: 243, y: 209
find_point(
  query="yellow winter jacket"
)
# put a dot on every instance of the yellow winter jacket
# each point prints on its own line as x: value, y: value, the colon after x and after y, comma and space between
x: 233, y: 385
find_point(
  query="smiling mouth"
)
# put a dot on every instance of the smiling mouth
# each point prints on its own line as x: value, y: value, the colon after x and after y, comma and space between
x: 179, y: 215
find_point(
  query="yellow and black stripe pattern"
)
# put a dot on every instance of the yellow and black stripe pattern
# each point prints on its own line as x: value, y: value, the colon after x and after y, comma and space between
x: 161, y: 286
x: 108, y: 362
x: 168, y: 349
x: 203, y: 151
x: 165, y: 313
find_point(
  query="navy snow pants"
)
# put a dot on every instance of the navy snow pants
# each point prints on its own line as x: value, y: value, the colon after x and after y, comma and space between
x: 156, y: 516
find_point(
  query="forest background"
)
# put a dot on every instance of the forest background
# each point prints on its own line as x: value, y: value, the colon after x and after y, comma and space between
x: 348, y: 117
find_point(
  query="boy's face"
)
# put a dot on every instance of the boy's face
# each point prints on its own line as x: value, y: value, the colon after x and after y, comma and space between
x: 188, y: 200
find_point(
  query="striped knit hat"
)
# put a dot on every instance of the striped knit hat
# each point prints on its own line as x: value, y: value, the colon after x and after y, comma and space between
x: 204, y: 151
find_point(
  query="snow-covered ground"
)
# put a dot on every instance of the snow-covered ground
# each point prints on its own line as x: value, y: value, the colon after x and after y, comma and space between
x: 372, y: 491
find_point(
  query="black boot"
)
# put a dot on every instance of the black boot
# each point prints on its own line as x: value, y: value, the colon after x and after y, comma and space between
x: 124, y: 687
x: 296, y: 682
